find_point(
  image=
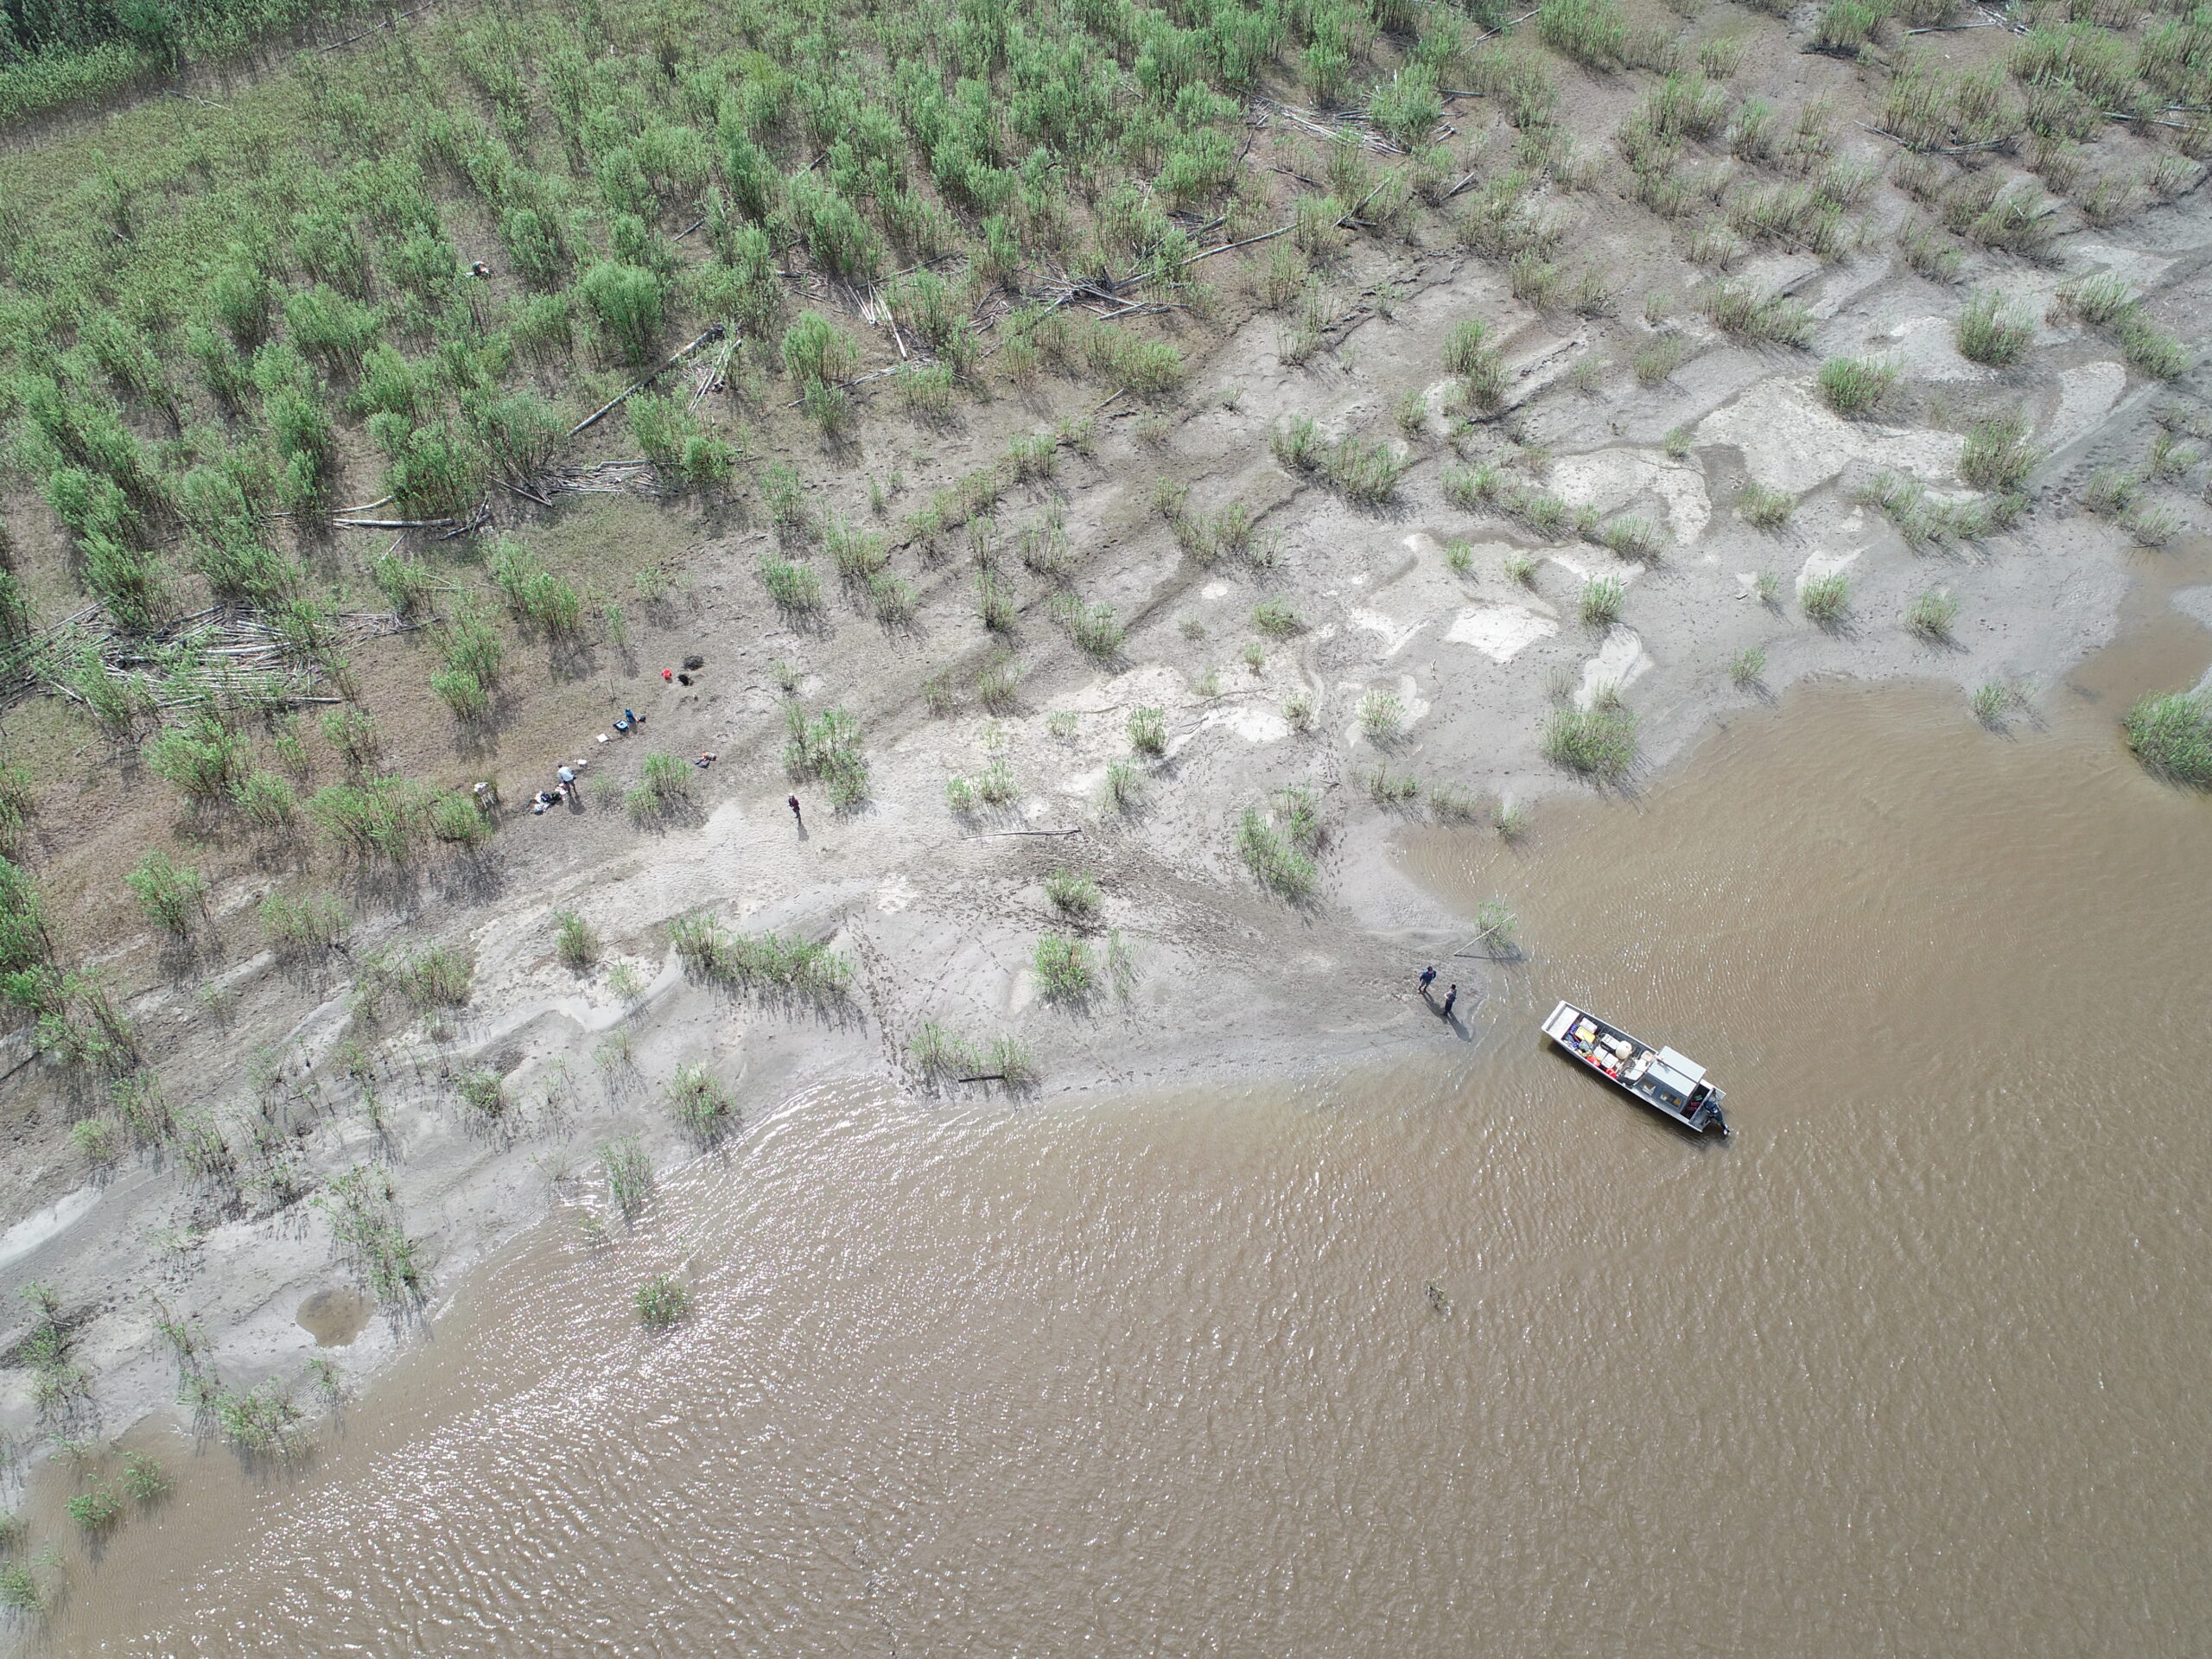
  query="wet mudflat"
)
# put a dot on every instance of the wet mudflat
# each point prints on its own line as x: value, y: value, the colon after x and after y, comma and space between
x: 1469, y: 1353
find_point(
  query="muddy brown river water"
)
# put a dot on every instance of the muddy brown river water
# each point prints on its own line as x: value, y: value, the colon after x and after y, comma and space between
x: 1467, y: 1355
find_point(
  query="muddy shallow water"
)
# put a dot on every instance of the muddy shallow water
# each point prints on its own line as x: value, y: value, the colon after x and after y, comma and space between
x: 1468, y: 1354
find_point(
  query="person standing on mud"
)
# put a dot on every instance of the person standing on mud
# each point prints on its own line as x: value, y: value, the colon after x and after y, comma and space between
x: 1450, y: 997
x: 795, y: 818
x: 1427, y: 978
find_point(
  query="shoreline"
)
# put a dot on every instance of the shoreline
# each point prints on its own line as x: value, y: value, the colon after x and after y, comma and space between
x: 939, y: 918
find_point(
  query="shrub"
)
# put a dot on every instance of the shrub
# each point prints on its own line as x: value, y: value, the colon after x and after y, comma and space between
x: 629, y: 1175
x: 1063, y: 968
x: 2171, y: 733
x: 96, y: 1510
x: 701, y: 1103
x: 663, y: 786
x: 1744, y: 312
x: 1997, y: 455
x: 320, y: 920
x: 827, y: 749
x: 170, y: 894
x: 1853, y: 386
x: 796, y: 586
x: 1381, y: 714
x: 2151, y: 349
x: 484, y: 1092
x: 573, y: 941
x: 1748, y: 666
x: 206, y: 760
x: 663, y: 1301
x: 1992, y: 331
x: 1073, y: 891
x: 1763, y: 508
x: 1275, y: 856
x: 1602, y: 597
x: 1599, y: 741
x: 1932, y: 614
x: 1826, y: 598
x: 630, y: 302
x: 1273, y: 617
x: 1124, y: 786
x: 1633, y: 538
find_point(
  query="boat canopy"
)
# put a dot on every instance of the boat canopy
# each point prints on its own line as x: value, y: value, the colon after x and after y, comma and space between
x: 1677, y: 1072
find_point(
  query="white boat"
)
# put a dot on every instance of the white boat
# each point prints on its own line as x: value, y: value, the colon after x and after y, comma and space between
x: 1670, y: 1084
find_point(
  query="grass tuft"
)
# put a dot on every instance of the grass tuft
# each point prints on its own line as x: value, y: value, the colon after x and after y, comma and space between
x: 1827, y: 599
x: 2171, y: 733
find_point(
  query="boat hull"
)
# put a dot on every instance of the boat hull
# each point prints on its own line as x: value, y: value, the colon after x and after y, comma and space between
x: 1699, y: 1112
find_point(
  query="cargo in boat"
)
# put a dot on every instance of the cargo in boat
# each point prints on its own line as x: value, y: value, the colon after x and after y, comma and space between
x: 1672, y: 1085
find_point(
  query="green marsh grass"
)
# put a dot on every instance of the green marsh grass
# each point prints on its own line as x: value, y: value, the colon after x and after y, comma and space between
x: 701, y: 1103
x: 1601, y: 600
x: 1073, y: 892
x: 1826, y: 599
x: 1064, y: 968
x: 1598, y: 741
x: 1763, y: 508
x: 1855, y: 386
x: 573, y: 941
x: 662, y: 1302
x: 629, y: 1175
x: 1992, y: 331
x: 2171, y: 732
x: 1932, y: 615
x: 171, y: 894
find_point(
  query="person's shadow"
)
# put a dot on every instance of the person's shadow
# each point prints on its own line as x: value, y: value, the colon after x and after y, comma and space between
x: 1446, y: 1011
x: 802, y: 836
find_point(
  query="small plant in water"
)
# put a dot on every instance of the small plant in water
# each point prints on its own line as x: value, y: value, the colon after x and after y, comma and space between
x: 663, y: 1300
x: 2171, y: 735
x: 629, y: 1175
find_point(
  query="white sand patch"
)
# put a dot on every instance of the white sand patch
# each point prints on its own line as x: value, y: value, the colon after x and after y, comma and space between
x: 1793, y: 443
x: 2144, y: 269
x: 1393, y: 632
x: 1253, y: 725
x: 894, y: 895
x: 1825, y: 564
x: 1925, y: 349
x: 1610, y: 479
x: 1422, y: 545
x: 1436, y: 399
x: 1501, y: 632
x: 1214, y: 590
x: 1583, y: 569
x: 2087, y: 393
x: 1620, y: 663
x: 35, y: 1228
